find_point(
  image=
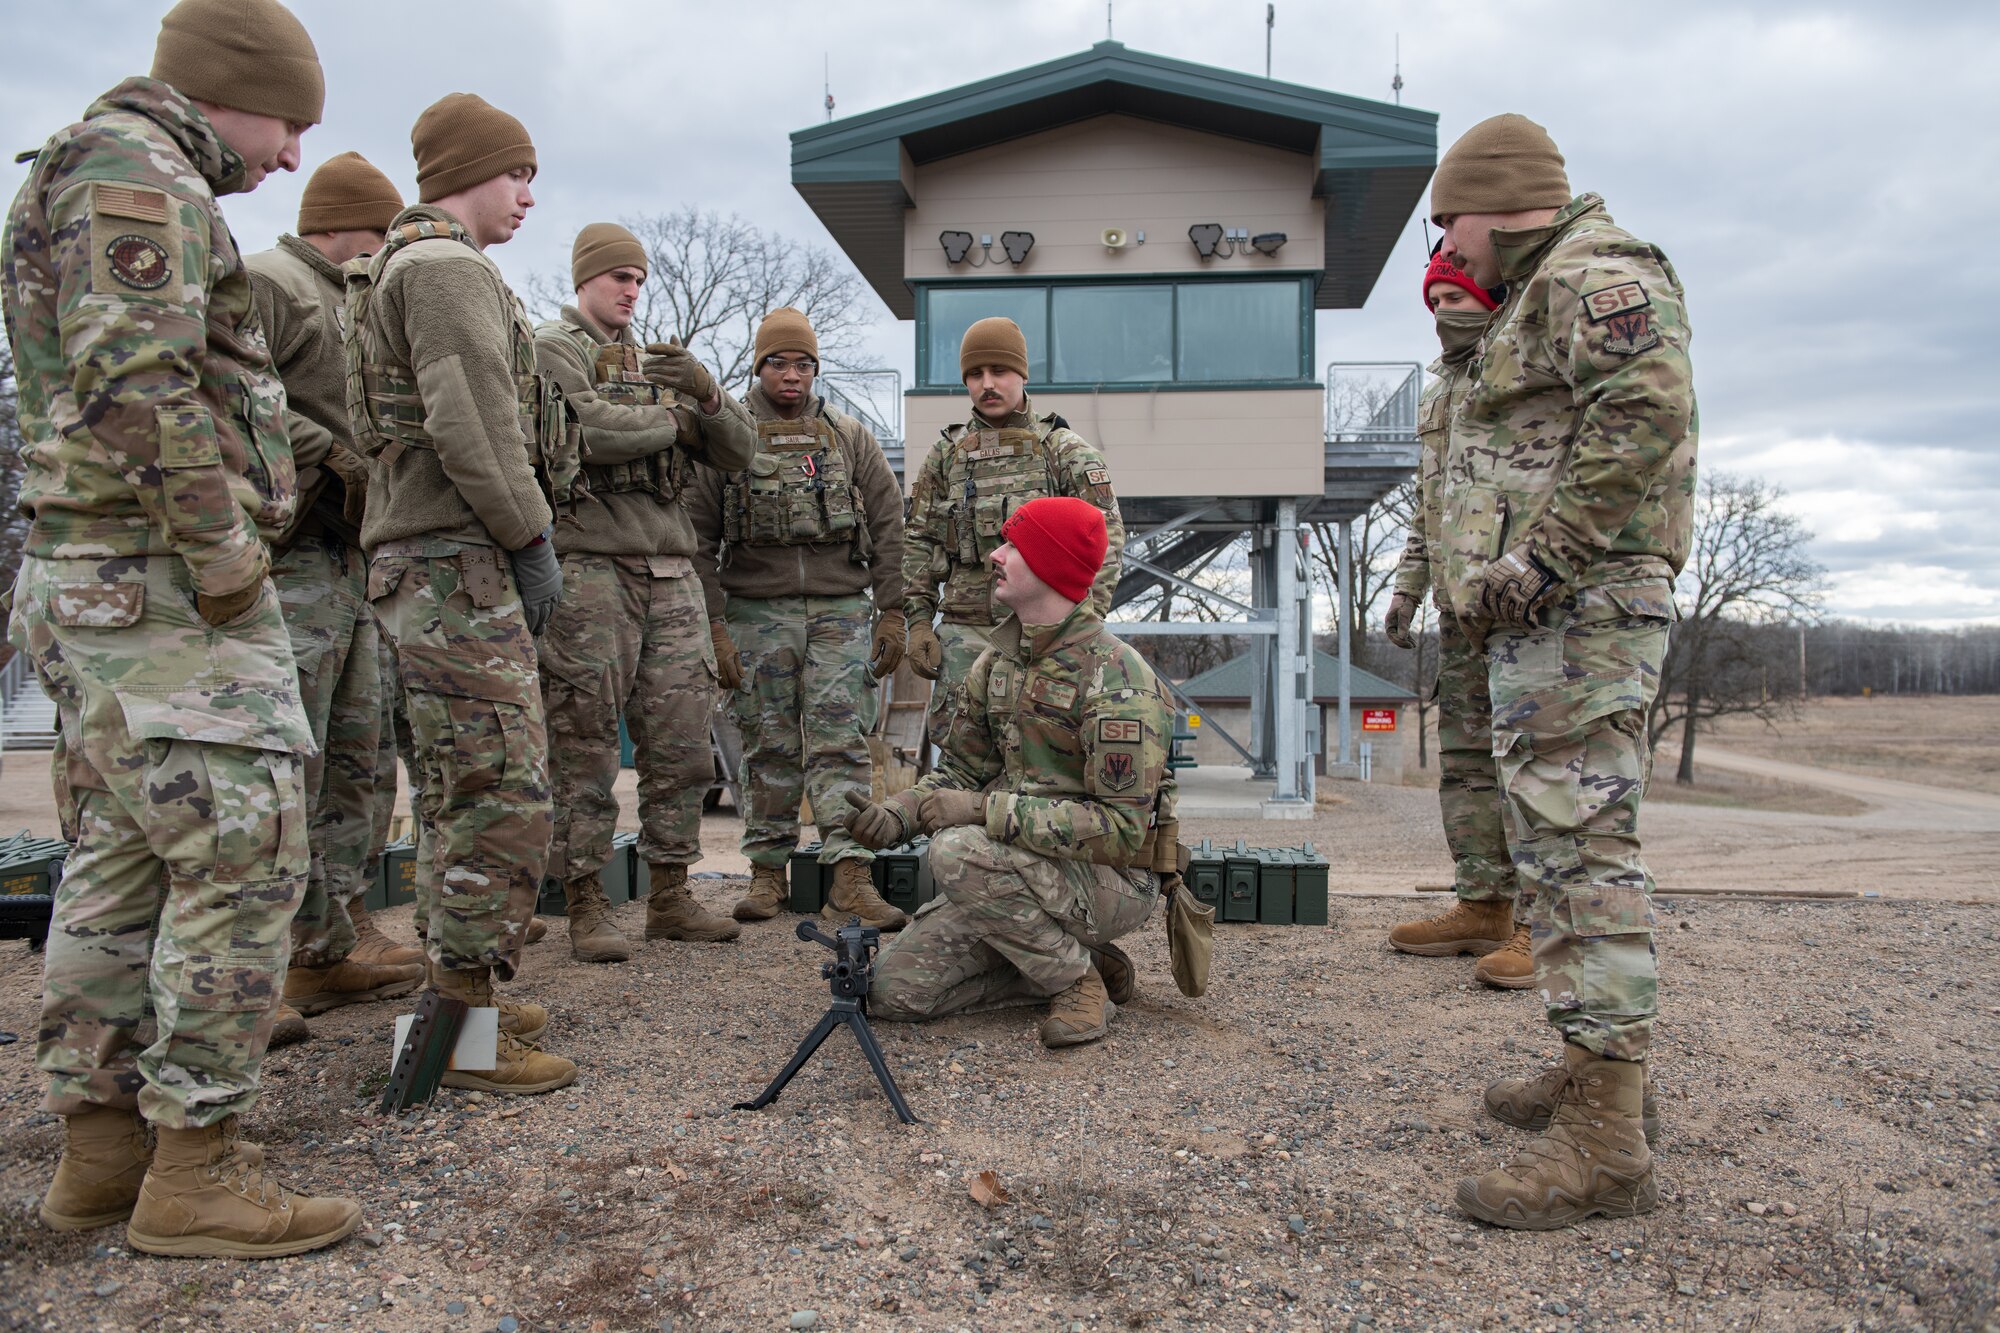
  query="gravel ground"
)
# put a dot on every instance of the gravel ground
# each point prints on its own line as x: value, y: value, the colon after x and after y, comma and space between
x: 1279, y: 1154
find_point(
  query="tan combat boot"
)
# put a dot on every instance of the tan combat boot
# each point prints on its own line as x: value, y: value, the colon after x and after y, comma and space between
x: 673, y: 914
x: 372, y: 946
x: 519, y: 1066
x: 105, y: 1156
x: 1527, y: 1103
x: 1512, y: 965
x: 1120, y: 981
x: 768, y: 895
x: 314, y: 990
x: 1591, y: 1160
x: 592, y: 937
x: 538, y: 930
x: 289, y: 1027
x: 206, y: 1197
x: 852, y: 893
x: 1469, y: 927
x: 519, y: 1019
x: 1080, y: 1014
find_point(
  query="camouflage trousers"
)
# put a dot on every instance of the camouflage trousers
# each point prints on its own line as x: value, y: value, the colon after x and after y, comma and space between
x: 1468, y: 787
x: 1569, y: 741
x: 466, y: 663
x: 962, y: 646
x: 394, y: 742
x: 178, y: 778
x: 630, y: 638
x: 1008, y: 927
x: 322, y: 585
x: 807, y: 705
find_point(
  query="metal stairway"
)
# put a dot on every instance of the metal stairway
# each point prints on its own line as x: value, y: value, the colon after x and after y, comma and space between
x: 28, y: 721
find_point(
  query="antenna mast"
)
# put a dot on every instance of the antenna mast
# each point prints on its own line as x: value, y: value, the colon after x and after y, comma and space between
x: 1396, y: 84
x: 827, y: 67
x: 1270, y: 22
x: 1107, y: 20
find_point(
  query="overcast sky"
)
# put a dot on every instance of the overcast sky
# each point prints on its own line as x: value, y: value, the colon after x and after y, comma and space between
x: 1825, y: 177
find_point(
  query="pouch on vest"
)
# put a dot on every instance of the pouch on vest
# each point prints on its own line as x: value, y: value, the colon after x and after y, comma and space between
x: 383, y: 404
x: 797, y: 490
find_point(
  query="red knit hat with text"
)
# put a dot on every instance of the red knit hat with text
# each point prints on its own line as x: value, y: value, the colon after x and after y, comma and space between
x: 1443, y: 270
x: 1062, y: 539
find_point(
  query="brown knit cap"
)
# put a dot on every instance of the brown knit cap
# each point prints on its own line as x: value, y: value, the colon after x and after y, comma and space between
x: 994, y: 341
x: 601, y: 247
x: 785, y: 330
x: 1505, y: 164
x: 461, y: 140
x: 348, y: 193
x: 247, y: 55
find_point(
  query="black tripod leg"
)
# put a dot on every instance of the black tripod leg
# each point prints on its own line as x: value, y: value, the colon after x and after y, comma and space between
x: 873, y: 1050
x: 827, y: 1024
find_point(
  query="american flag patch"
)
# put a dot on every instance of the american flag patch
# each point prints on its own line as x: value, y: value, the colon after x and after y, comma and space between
x: 129, y: 201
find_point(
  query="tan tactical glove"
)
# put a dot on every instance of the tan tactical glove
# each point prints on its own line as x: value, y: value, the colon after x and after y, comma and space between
x: 875, y: 825
x: 1402, y: 612
x: 672, y: 366
x: 888, y: 649
x: 221, y: 609
x: 926, y: 653
x: 352, y: 469
x: 728, y: 662
x: 948, y: 807
x: 1517, y: 588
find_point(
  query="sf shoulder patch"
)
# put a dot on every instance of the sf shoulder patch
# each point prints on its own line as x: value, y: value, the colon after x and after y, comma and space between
x: 1117, y: 770
x: 1630, y: 334
x: 1097, y: 476
x: 1120, y: 731
x: 1611, y: 302
x: 140, y: 262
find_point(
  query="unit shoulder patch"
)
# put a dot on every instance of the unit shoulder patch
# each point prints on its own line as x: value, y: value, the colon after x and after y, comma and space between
x: 1117, y: 770
x: 140, y: 262
x: 1630, y: 334
x: 1097, y: 476
x: 1610, y: 302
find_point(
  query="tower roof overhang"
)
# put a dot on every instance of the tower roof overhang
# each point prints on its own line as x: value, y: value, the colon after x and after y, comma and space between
x: 1373, y: 159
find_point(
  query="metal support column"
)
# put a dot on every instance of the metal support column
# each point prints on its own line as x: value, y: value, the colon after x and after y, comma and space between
x: 1288, y: 699
x: 1264, y: 692
x: 1344, y: 764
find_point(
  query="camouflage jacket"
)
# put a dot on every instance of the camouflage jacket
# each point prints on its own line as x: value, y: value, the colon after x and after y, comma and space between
x: 636, y: 443
x: 301, y: 302
x: 974, y: 477
x: 1067, y: 733
x: 1449, y: 378
x: 1577, y: 435
x: 151, y: 420
x: 842, y: 568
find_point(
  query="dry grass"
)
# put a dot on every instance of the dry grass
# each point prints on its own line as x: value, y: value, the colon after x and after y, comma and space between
x: 1742, y: 791
x: 1932, y: 739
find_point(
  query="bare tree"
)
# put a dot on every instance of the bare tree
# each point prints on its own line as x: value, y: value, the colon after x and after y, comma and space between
x: 711, y: 279
x: 1378, y: 545
x: 1748, y: 570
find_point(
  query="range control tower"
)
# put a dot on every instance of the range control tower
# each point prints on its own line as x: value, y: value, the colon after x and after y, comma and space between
x: 1162, y: 232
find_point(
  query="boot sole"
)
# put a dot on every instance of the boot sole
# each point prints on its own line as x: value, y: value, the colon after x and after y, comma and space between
x: 1082, y: 1038
x: 62, y: 1222
x: 319, y: 1004
x: 209, y: 1247
x: 1505, y: 983
x: 742, y: 913
x: 462, y: 1079
x: 616, y: 953
x: 883, y: 924
x: 1449, y: 948
x: 1645, y: 1197
x: 287, y: 1035
x: 694, y: 937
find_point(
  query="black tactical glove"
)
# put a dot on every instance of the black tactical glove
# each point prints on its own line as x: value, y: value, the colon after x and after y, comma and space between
x: 672, y: 366
x: 1517, y: 587
x: 1402, y: 613
x: 539, y: 573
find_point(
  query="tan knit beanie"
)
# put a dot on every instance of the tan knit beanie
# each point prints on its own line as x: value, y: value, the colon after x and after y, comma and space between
x: 994, y: 341
x: 247, y: 55
x: 1505, y: 164
x: 785, y: 330
x: 461, y: 140
x: 601, y: 247
x: 348, y: 193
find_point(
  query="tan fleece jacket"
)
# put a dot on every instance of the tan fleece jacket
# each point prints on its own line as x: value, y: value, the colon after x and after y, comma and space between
x: 632, y: 522
x: 442, y: 309
x: 822, y: 570
x: 300, y: 301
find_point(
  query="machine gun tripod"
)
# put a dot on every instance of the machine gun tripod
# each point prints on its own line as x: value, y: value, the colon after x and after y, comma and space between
x: 849, y: 975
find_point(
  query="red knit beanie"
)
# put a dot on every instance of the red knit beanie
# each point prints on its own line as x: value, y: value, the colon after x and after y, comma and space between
x: 1062, y: 539
x: 1443, y: 270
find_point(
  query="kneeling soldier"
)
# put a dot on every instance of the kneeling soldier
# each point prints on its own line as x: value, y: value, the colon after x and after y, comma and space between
x: 1052, y: 777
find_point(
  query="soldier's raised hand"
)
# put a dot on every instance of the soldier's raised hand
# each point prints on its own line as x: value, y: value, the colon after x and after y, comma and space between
x: 672, y: 366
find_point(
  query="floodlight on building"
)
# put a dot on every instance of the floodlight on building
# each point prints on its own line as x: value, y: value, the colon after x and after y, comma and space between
x: 1268, y: 243
x: 1206, y: 236
x: 956, y: 245
x: 1017, y: 244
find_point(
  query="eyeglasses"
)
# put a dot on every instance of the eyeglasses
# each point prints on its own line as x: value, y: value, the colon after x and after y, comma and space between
x: 781, y: 365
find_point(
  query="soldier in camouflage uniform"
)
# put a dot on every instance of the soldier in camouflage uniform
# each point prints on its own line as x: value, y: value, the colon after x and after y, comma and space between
x: 1568, y: 503
x: 977, y: 474
x: 790, y: 550
x: 156, y: 467
x: 1483, y: 919
x: 1051, y: 809
x: 338, y: 957
x: 631, y: 634
x: 444, y: 397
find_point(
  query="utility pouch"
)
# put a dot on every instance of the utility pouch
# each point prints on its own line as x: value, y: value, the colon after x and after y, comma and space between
x: 483, y: 580
x: 1190, y: 933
